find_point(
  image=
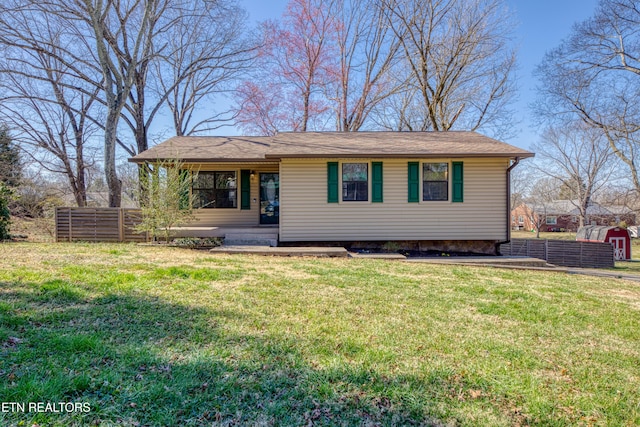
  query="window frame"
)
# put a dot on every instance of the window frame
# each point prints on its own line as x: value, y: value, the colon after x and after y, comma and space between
x: 341, y: 181
x: 236, y: 188
x: 547, y: 219
x: 423, y: 180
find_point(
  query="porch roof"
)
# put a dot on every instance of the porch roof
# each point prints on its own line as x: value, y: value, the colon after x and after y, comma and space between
x: 452, y: 144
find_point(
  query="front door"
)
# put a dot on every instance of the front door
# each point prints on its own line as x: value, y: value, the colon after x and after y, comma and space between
x: 269, y: 198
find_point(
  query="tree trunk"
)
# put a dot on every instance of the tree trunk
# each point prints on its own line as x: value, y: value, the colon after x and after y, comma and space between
x: 110, y: 172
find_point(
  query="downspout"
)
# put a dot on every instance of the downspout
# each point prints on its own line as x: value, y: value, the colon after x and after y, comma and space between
x: 509, y: 169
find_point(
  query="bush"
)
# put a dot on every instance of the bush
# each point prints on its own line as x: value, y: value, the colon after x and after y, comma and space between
x: 196, y: 242
x: 5, y: 215
x: 391, y: 247
x: 165, y: 198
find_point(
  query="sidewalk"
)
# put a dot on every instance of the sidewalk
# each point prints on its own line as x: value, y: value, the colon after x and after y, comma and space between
x: 604, y: 273
x: 527, y: 264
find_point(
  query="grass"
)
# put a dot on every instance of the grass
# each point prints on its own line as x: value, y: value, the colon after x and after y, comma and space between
x: 162, y: 336
x: 32, y: 229
x: 565, y: 235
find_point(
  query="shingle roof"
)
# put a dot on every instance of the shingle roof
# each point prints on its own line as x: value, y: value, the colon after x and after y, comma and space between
x: 330, y: 145
x: 569, y: 207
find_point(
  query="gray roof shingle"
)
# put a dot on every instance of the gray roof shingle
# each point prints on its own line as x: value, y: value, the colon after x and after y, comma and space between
x: 330, y: 145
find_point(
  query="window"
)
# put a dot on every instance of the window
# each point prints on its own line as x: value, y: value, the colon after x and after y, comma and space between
x: 435, y: 185
x: 355, y: 184
x: 551, y: 220
x: 520, y: 219
x: 214, y: 190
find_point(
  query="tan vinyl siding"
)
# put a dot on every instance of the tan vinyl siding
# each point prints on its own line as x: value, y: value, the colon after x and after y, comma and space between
x: 233, y: 217
x: 305, y: 214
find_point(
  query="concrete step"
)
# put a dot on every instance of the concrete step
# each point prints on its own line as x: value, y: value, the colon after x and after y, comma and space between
x: 252, y: 235
x: 262, y: 238
x: 283, y: 251
x: 250, y: 242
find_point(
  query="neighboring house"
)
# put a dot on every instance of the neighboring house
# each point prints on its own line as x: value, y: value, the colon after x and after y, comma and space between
x: 563, y: 215
x: 436, y: 189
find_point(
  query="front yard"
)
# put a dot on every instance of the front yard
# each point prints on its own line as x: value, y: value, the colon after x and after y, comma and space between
x: 161, y: 336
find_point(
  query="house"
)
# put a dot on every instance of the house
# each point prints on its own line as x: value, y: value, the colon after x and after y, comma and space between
x: 563, y: 215
x: 438, y: 190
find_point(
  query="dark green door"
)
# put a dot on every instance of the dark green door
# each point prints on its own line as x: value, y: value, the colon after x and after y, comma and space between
x: 269, y: 198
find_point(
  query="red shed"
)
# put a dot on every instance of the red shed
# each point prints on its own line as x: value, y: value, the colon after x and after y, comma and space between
x: 617, y: 236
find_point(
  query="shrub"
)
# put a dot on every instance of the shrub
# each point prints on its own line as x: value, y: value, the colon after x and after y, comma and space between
x: 196, y: 242
x: 5, y: 215
x: 165, y: 198
x: 391, y: 247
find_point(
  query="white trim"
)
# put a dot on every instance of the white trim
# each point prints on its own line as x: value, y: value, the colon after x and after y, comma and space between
x: 619, y: 248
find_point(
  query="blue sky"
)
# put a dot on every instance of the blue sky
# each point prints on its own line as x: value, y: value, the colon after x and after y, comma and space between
x: 542, y: 24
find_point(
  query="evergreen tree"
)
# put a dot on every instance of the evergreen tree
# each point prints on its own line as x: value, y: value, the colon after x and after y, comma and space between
x: 10, y: 168
x: 5, y: 216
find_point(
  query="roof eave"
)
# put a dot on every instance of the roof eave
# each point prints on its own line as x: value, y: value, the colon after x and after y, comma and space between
x: 399, y: 156
x: 201, y: 160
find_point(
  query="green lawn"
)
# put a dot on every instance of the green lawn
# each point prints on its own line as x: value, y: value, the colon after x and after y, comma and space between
x: 567, y: 235
x: 159, y: 336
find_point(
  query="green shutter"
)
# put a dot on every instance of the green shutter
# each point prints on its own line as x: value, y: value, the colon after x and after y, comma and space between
x: 184, y: 189
x: 414, y: 182
x: 376, y: 182
x: 457, y: 182
x: 332, y: 182
x: 245, y: 189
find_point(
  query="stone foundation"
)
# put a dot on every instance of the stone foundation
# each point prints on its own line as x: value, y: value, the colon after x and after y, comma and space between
x: 471, y: 247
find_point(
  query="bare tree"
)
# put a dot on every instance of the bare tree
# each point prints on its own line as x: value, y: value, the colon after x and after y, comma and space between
x: 58, y: 137
x: 367, y: 52
x: 123, y: 40
x: 521, y: 180
x: 112, y: 37
x: 541, y: 197
x: 579, y: 159
x: 296, y: 65
x: 49, y: 109
x: 594, y: 75
x: 197, y: 49
x: 113, y: 45
x: 457, y: 55
x: 205, y: 51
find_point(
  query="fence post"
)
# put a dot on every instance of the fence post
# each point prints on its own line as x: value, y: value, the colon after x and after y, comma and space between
x: 70, y: 224
x: 120, y: 225
x: 55, y: 218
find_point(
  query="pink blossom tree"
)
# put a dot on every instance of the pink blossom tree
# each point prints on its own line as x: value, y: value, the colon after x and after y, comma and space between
x: 295, y: 69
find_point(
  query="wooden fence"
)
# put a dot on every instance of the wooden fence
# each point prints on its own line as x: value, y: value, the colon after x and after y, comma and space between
x: 98, y: 225
x: 565, y: 253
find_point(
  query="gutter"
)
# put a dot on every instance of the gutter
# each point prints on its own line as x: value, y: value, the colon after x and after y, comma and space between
x: 509, y: 169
